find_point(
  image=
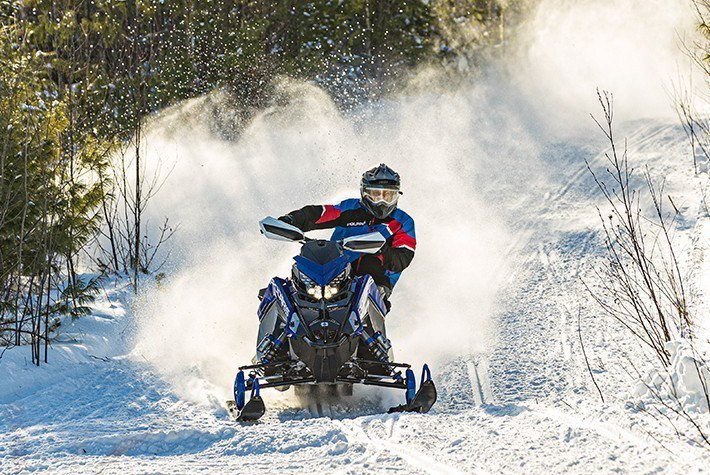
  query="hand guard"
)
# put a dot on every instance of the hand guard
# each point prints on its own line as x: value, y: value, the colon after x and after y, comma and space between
x: 286, y: 219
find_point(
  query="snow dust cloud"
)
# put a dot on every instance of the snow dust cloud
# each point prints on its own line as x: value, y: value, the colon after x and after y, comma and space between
x: 202, y: 321
x: 632, y: 48
x: 468, y: 155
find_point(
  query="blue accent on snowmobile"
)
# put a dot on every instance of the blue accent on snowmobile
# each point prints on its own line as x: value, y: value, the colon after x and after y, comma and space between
x: 365, y: 287
x: 266, y: 301
x: 426, y: 374
x: 281, y: 290
x: 274, y: 340
x: 376, y: 296
x: 411, y: 386
x: 239, y: 390
x: 355, y: 321
x: 277, y: 289
x: 322, y: 274
x: 255, y: 387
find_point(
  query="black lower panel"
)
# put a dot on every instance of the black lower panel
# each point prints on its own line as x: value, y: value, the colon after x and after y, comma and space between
x: 324, y: 363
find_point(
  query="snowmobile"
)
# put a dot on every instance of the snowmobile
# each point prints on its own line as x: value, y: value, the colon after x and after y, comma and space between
x: 324, y: 326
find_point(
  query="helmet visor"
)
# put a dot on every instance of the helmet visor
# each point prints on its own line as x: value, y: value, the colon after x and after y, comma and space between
x: 388, y: 196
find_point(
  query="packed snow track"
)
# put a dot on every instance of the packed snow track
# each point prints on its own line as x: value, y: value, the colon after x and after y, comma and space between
x: 524, y: 406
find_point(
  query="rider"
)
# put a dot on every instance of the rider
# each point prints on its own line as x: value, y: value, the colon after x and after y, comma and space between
x: 376, y: 210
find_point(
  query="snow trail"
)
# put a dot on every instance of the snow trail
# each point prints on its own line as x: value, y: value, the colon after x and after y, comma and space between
x: 495, y: 178
x: 358, y: 432
x: 475, y: 158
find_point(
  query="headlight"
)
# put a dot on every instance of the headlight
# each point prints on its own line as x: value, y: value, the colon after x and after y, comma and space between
x: 318, y: 292
x: 329, y: 291
x: 333, y: 288
x: 315, y: 291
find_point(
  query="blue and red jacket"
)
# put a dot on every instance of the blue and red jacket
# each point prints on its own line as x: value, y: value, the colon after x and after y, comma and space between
x: 351, y: 218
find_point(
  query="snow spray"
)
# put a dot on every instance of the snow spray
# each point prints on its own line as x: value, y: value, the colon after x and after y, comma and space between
x: 202, y: 320
x: 469, y: 156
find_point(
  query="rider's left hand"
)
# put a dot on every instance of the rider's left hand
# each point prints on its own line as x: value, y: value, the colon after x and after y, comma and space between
x: 385, y: 252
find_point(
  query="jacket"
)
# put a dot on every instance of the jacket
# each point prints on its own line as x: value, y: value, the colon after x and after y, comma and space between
x: 351, y: 218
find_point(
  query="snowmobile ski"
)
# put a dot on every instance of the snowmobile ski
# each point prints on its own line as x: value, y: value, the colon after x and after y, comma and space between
x: 252, y: 410
x: 424, y: 398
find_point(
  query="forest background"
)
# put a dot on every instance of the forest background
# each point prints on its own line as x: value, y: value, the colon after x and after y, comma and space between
x: 78, y: 78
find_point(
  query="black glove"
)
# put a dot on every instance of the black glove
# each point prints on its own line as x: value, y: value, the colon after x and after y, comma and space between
x: 385, y: 252
x: 286, y: 219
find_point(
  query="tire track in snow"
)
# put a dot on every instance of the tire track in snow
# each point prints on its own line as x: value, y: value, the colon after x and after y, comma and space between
x: 480, y: 384
x: 533, y: 304
x: 604, y: 429
x: 356, y: 433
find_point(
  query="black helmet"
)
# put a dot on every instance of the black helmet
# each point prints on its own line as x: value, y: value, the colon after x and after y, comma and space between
x: 379, y: 190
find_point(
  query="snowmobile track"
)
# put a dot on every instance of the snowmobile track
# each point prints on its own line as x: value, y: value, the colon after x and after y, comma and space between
x: 357, y: 433
x: 480, y: 385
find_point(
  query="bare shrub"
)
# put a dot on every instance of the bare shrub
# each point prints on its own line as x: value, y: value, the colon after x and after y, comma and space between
x: 640, y: 284
x: 129, y: 245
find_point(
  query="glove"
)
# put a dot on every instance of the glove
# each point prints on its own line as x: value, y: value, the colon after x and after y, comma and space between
x: 286, y: 219
x: 385, y: 252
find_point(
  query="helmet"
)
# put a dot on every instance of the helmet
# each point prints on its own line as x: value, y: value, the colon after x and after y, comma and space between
x: 379, y: 190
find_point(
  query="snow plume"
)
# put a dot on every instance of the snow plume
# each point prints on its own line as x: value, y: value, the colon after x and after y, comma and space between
x: 469, y: 154
x: 201, y: 320
x: 200, y: 324
x: 631, y: 48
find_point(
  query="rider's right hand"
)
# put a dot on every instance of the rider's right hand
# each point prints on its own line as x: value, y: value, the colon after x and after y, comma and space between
x: 286, y: 219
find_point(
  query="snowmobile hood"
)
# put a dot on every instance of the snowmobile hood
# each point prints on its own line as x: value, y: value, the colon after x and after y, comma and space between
x: 321, y: 251
x: 322, y: 274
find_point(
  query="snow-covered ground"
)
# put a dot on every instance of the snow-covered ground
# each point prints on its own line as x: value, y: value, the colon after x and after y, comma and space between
x: 494, y: 174
x: 523, y: 405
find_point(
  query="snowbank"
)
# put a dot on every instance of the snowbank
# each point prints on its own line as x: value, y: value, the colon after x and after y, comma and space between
x: 685, y: 382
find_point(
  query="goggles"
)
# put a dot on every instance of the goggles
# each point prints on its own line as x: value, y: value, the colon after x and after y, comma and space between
x: 388, y: 196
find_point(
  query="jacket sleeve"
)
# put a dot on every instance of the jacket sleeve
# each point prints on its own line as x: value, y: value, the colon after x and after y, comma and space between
x: 398, y: 254
x: 397, y: 259
x: 315, y: 217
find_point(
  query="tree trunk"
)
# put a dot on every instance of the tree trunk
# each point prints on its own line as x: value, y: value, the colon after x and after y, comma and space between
x: 136, y: 250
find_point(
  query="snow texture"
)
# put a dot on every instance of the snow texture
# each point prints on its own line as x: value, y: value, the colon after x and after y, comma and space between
x: 526, y: 405
x: 507, y: 230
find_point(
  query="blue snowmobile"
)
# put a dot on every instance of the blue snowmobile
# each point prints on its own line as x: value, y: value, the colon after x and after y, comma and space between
x: 324, y: 326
